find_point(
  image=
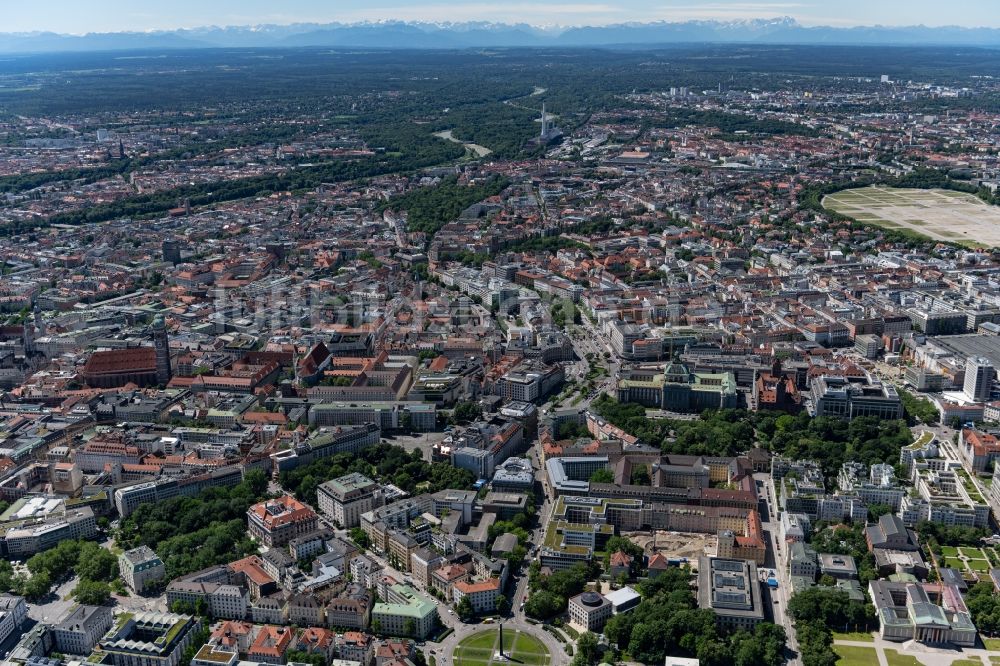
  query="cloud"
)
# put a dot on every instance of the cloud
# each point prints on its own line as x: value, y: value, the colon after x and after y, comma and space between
x: 728, y: 10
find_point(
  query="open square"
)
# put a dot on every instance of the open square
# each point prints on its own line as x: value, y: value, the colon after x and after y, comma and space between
x: 944, y: 215
x: 482, y: 649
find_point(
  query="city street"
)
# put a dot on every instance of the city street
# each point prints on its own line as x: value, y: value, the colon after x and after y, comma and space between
x: 56, y: 604
x: 774, y: 560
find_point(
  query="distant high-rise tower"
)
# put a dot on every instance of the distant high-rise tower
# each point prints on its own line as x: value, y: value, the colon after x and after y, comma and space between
x: 545, y: 122
x: 162, y: 345
x: 978, y: 379
x: 171, y: 252
x: 39, y: 322
x: 33, y: 329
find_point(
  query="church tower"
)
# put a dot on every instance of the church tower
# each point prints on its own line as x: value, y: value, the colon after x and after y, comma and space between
x: 162, y: 346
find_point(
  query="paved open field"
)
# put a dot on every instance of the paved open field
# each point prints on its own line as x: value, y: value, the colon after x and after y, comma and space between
x: 481, y: 649
x: 939, y: 214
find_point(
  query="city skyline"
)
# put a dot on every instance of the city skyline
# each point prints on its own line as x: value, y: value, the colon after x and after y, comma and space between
x: 64, y: 16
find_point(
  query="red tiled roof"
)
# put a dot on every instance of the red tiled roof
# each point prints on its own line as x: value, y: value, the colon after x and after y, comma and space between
x: 272, y: 641
x: 135, y: 359
x: 620, y: 558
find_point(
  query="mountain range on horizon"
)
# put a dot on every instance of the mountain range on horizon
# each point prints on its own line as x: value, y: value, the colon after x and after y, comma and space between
x: 401, y: 34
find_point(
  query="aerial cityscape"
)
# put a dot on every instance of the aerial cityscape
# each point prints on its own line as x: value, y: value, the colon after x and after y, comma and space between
x: 375, y: 338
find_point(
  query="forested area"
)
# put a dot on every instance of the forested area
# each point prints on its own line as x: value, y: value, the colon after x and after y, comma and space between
x: 984, y: 604
x: 503, y: 128
x: 731, y: 124
x: 192, y: 533
x: 550, y: 594
x: 917, y: 408
x: 728, y: 432
x: 846, y: 540
x: 430, y: 208
x: 383, y: 462
x: 668, y: 622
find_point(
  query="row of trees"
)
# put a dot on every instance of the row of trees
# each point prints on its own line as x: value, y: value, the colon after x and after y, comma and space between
x: 402, y: 147
x: 817, y: 612
x: 550, y: 595
x: 918, y: 409
x: 936, y: 535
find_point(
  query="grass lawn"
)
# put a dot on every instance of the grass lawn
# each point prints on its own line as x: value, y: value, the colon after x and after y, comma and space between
x: 478, y: 649
x: 979, y: 565
x: 967, y: 662
x: 855, y: 656
x: 949, y: 551
x: 854, y: 636
x: 991, y: 643
x: 896, y: 659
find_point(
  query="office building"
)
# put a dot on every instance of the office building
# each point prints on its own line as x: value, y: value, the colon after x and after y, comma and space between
x: 140, y: 568
x: 978, y: 379
x: 482, y: 594
x: 149, y: 639
x: 590, y: 611
x: 731, y: 589
x: 80, y: 630
x: 344, y: 499
x: 405, y: 613
x: 850, y: 397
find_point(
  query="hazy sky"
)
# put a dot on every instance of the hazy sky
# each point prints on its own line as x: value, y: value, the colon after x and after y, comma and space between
x: 79, y: 16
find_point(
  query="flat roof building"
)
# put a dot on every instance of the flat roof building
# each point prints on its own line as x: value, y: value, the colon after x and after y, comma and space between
x: 731, y: 589
x: 344, y: 499
x: 590, y: 611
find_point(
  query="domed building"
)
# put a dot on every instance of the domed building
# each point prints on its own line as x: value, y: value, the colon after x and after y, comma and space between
x: 589, y: 611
